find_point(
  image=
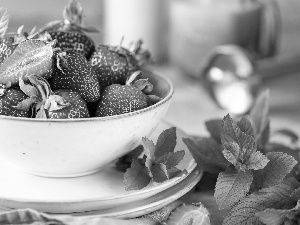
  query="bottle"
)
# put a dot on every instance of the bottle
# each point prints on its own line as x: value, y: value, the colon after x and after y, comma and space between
x: 137, y: 19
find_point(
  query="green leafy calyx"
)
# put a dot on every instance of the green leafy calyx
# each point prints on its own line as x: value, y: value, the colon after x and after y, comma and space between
x: 41, y: 97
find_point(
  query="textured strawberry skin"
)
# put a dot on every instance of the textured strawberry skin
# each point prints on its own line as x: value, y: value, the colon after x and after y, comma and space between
x: 76, y: 109
x: 110, y: 66
x: 119, y: 99
x: 75, y: 41
x: 78, y: 76
x: 6, y: 48
x: 30, y: 57
x: 11, y: 98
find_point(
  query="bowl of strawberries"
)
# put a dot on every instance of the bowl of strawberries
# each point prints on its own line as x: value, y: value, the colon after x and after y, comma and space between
x: 67, y: 107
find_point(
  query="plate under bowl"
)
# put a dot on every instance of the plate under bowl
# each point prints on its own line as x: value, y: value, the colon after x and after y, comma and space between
x: 101, y: 190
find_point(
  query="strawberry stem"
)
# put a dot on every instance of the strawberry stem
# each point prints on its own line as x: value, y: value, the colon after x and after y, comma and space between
x: 132, y: 77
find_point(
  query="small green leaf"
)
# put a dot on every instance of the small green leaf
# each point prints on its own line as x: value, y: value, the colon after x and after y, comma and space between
x: 29, y: 90
x: 55, y: 102
x: 230, y: 132
x: 296, y: 194
x: 149, y: 148
x: 231, y: 152
x: 171, y: 159
x: 136, y: 177
x: 159, y: 173
x: 175, y: 172
x: 279, y: 165
x: 125, y: 161
x: 232, y: 186
x: 213, y: 127
x: 245, y: 158
x: 276, y: 197
x: 278, y: 216
x: 156, y: 167
x: 245, y: 125
x: 207, y: 154
x: 257, y: 161
x: 166, y: 142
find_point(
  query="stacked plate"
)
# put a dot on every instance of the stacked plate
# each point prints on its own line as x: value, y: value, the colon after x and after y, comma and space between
x: 99, y: 194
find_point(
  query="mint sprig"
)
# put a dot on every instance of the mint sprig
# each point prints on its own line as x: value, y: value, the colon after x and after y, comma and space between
x: 275, y: 197
x: 258, y: 180
x: 280, y: 216
x: 158, y: 163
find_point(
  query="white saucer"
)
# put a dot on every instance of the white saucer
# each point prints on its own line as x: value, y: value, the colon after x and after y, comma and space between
x: 101, y: 190
x: 142, y: 207
x: 150, y: 204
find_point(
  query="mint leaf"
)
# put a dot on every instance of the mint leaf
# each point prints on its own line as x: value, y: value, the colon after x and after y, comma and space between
x: 171, y: 159
x: 213, y: 127
x: 275, y: 171
x: 245, y: 158
x: 296, y: 194
x: 125, y: 161
x: 278, y: 216
x: 166, y: 142
x: 257, y: 161
x: 259, y: 116
x: 157, y: 164
x: 277, y: 197
x: 232, y: 186
x: 159, y: 172
x: 207, y: 154
x: 175, y: 172
x: 231, y: 152
x: 245, y: 125
x: 137, y: 176
x: 149, y: 149
x: 230, y: 132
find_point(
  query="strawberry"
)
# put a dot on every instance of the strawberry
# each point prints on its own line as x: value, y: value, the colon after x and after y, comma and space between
x: 73, y: 72
x: 30, y: 57
x: 70, y: 33
x: 119, y: 99
x: 61, y: 104
x: 9, y: 98
x: 113, y: 64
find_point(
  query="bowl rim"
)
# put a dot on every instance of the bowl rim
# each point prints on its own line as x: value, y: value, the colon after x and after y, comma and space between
x: 92, y: 119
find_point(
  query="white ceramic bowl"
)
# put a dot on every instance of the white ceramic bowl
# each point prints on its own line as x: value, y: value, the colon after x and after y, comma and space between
x: 77, y: 147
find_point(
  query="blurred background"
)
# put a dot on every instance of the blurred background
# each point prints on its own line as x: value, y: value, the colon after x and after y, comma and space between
x: 181, y: 33
x: 171, y: 29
